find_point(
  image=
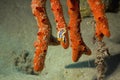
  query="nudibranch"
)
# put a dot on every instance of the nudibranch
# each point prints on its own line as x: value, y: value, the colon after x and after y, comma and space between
x: 61, y: 35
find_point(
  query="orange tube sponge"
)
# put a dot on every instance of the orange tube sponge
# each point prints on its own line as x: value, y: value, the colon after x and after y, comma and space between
x: 43, y: 35
x: 77, y: 44
x: 62, y: 32
x: 97, y: 8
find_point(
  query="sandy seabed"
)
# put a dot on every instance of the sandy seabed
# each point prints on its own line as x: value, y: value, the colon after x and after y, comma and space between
x: 18, y: 31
